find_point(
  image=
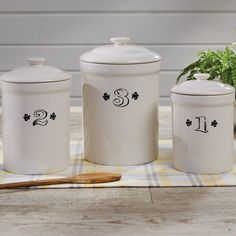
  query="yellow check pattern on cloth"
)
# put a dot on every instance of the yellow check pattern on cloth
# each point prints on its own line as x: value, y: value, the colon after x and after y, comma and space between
x: 156, y: 174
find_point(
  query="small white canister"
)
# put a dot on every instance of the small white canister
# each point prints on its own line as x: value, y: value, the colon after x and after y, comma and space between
x: 202, y: 114
x: 35, y: 102
x: 120, y: 103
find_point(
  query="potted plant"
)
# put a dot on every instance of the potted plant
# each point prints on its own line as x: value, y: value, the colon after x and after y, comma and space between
x: 220, y: 64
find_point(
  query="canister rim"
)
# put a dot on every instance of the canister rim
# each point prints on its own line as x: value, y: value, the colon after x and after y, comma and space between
x: 120, y: 53
x: 202, y: 87
x: 202, y: 95
x: 35, y: 72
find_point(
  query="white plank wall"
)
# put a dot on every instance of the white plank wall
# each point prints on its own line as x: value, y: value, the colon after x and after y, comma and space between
x: 61, y: 30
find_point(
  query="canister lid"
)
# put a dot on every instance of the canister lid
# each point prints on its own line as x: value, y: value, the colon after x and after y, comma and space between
x: 120, y: 52
x: 202, y: 87
x: 35, y: 72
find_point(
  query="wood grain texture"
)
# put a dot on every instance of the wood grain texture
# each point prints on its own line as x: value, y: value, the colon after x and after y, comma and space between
x: 90, y: 28
x: 87, y: 178
x: 116, y: 6
x: 134, y: 211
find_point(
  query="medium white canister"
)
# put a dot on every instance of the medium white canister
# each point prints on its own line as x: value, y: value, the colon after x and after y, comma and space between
x: 35, y: 101
x: 202, y: 113
x: 120, y: 103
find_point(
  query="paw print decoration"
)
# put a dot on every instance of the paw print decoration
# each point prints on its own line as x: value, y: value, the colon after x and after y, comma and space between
x: 214, y: 123
x: 188, y: 122
x: 26, y: 117
x: 106, y: 96
x: 53, y: 116
x: 135, y: 96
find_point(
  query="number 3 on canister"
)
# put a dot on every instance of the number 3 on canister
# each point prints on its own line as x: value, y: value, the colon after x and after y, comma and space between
x: 122, y: 99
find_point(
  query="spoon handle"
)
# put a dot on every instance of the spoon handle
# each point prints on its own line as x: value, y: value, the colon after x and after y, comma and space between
x: 88, y: 178
x: 33, y: 183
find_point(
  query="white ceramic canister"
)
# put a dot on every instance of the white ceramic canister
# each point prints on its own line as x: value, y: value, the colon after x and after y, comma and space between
x: 35, y: 102
x: 120, y: 103
x: 202, y: 113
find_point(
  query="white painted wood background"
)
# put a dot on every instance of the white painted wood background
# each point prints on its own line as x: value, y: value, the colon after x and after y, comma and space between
x: 61, y: 30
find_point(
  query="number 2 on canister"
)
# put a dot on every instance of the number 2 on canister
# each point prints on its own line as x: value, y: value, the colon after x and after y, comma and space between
x: 41, y: 114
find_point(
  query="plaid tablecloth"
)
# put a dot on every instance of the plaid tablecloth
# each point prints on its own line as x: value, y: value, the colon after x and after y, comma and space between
x: 156, y: 174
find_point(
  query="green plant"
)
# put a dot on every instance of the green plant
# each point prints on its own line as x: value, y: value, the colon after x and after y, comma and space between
x: 219, y: 64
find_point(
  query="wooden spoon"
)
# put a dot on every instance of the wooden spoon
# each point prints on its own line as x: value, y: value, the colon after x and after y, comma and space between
x: 89, y: 178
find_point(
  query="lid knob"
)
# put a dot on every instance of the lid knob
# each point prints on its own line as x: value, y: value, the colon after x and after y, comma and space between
x: 201, y: 76
x: 120, y: 40
x: 36, y: 60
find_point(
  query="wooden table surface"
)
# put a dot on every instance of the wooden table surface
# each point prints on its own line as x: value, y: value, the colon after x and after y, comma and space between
x: 119, y: 211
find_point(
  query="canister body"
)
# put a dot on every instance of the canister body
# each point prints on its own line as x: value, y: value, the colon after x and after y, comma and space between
x: 36, y: 127
x: 203, y: 133
x: 120, y: 113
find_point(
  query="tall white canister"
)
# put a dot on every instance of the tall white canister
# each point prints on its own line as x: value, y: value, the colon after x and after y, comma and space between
x: 120, y: 103
x: 35, y: 102
x: 203, y: 137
